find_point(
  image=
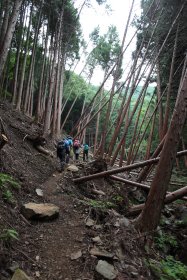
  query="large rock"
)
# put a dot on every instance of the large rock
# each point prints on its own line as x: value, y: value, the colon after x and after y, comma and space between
x: 20, y: 275
x: 43, y: 211
x: 72, y: 168
x: 106, y: 270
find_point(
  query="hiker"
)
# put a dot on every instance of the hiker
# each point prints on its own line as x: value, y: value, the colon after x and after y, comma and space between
x: 63, y: 151
x: 76, y: 148
x: 70, y: 140
x: 85, y: 152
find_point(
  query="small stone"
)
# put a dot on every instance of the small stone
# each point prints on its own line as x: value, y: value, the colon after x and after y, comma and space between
x: 96, y: 252
x: 90, y: 222
x: 97, y: 239
x: 98, y: 226
x: 117, y: 224
x: 106, y: 270
x: 39, y: 192
x: 37, y: 258
x: 76, y: 255
x: 37, y: 273
x: 124, y: 222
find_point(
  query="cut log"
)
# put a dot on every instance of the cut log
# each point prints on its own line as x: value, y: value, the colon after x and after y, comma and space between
x: 122, y: 169
x: 178, y: 194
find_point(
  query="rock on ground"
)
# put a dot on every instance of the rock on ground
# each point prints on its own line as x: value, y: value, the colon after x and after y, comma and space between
x: 43, y: 211
x: 106, y: 270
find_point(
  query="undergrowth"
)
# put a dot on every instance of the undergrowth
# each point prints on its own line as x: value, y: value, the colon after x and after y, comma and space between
x: 7, y: 183
x: 8, y: 236
x: 168, y: 269
x: 166, y: 240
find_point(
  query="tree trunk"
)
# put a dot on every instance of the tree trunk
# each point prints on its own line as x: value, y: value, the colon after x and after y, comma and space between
x: 167, y: 107
x: 150, y: 216
x: 20, y: 92
x: 160, y: 110
x: 9, y: 34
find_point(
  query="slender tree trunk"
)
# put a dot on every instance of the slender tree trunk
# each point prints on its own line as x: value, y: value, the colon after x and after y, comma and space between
x: 148, y: 150
x: 39, y: 101
x: 22, y: 77
x: 123, y: 113
x: 52, y: 80
x: 9, y: 34
x: 144, y: 88
x: 5, y: 22
x: 32, y: 64
x: 167, y: 107
x: 60, y: 97
x: 135, y: 130
x: 124, y: 140
x: 160, y: 110
x: 116, y: 74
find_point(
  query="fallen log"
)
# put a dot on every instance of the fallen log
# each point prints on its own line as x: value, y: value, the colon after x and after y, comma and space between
x: 122, y: 169
x: 134, y: 210
x: 136, y: 184
x: 123, y: 180
x: 44, y: 151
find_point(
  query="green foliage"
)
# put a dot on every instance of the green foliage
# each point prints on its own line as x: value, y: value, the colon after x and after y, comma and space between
x: 9, y: 235
x: 100, y: 204
x: 168, y: 269
x: 8, y: 196
x: 165, y: 240
x: 107, y: 47
x: 6, y: 182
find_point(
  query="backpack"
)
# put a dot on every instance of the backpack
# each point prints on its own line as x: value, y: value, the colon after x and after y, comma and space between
x: 76, y: 144
x: 86, y: 147
x: 70, y: 141
x: 63, y: 144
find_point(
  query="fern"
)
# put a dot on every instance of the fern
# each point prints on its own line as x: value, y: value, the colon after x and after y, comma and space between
x: 6, y: 180
x: 9, y: 235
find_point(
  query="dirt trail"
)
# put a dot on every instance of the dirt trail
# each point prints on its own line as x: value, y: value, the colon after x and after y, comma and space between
x: 57, y: 240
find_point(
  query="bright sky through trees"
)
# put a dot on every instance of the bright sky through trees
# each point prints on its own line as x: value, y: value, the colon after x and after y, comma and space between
x: 96, y: 15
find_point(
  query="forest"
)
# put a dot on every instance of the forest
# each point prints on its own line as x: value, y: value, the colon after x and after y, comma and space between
x: 134, y: 123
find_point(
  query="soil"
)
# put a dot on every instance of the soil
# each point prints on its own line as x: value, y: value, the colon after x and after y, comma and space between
x: 48, y: 250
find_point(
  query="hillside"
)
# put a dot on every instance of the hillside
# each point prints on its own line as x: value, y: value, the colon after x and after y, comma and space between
x: 45, y: 248
x: 91, y: 226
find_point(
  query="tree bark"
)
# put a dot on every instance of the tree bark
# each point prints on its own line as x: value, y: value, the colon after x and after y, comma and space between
x: 9, y: 34
x: 150, y: 216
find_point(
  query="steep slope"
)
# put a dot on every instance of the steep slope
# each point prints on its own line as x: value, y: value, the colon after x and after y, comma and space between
x: 59, y: 249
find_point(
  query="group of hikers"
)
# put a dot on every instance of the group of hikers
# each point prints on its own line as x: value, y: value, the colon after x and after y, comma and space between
x: 70, y: 148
